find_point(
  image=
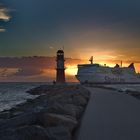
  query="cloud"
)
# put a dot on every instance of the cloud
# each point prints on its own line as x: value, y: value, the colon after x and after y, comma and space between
x: 4, y: 14
x: 7, y: 72
x: 29, y: 72
x: 2, y: 30
x: 51, y: 47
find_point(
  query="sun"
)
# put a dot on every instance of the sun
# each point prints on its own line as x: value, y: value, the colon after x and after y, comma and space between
x: 71, y: 69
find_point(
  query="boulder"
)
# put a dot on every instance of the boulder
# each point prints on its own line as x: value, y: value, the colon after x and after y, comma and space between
x: 35, y: 132
x: 51, y: 116
x: 79, y: 100
x: 58, y: 133
x: 62, y: 98
x: 50, y: 120
x: 25, y: 119
x: 79, y: 111
x: 85, y: 94
x: 5, y: 115
x: 32, y: 133
x: 8, y: 135
x: 67, y: 109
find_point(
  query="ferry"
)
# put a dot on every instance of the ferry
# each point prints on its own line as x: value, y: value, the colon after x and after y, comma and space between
x: 98, y: 74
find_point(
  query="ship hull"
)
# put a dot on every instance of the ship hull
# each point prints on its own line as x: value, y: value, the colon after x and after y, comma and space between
x: 96, y: 74
x: 86, y: 80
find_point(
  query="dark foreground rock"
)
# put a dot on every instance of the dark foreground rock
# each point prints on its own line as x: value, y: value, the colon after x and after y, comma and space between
x: 54, y: 115
x: 51, y: 119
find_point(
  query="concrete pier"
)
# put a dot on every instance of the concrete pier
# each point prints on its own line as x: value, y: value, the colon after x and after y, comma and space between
x: 110, y: 115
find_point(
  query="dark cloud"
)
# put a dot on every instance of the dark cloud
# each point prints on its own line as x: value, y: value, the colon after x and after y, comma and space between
x: 77, y: 24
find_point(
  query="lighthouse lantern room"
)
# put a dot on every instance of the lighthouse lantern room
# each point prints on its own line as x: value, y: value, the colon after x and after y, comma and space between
x: 60, y: 70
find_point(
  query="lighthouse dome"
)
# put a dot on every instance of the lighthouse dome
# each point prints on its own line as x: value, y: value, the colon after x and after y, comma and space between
x: 60, y: 51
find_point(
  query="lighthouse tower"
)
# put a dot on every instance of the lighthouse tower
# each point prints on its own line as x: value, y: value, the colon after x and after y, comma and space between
x: 60, y: 70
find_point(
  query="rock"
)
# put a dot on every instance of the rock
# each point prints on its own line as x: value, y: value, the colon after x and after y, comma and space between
x: 79, y: 100
x: 25, y: 119
x: 50, y: 119
x: 58, y: 133
x: 8, y: 135
x: 79, y: 111
x: 32, y: 133
x: 63, y: 99
x: 67, y: 109
x: 17, y: 113
x: 35, y: 132
x: 85, y: 94
x: 5, y: 115
x: 53, y: 115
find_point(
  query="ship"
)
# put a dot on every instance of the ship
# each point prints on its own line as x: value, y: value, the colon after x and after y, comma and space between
x: 95, y: 73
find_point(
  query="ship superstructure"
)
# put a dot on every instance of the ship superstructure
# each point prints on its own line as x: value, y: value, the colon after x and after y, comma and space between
x: 95, y: 73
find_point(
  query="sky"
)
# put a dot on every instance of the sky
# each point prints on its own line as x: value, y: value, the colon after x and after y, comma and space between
x: 107, y: 29
x: 35, y: 69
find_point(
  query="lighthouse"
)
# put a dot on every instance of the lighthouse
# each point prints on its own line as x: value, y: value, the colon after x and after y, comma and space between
x: 60, y: 70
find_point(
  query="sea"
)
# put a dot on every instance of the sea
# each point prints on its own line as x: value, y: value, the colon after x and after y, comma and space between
x: 12, y: 94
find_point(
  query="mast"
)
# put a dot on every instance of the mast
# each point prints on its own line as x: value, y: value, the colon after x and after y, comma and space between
x: 121, y: 64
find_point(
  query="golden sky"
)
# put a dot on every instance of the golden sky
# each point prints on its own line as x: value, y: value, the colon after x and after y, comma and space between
x: 108, y: 30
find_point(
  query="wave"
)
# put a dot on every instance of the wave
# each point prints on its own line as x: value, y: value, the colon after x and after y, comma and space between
x: 12, y: 94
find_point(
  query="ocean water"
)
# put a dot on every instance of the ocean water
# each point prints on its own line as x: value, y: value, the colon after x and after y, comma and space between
x: 12, y: 94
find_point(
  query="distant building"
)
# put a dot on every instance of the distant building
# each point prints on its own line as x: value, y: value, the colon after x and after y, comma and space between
x: 60, y: 70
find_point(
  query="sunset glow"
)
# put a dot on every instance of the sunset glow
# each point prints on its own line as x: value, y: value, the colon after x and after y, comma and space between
x: 107, y: 30
x: 71, y: 70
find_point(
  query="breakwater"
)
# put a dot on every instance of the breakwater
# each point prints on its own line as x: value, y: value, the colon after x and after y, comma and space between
x: 54, y: 115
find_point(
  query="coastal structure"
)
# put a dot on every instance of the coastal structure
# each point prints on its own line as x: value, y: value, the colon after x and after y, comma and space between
x: 97, y: 74
x: 60, y: 70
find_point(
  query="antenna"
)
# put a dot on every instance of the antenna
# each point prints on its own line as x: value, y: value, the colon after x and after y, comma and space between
x: 121, y: 64
x: 91, y: 59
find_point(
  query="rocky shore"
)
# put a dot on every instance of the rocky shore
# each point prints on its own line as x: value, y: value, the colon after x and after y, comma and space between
x: 131, y: 92
x: 54, y: 115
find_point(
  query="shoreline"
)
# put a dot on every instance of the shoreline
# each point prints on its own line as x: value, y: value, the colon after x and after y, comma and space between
x: 55, y: 113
